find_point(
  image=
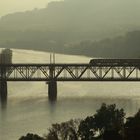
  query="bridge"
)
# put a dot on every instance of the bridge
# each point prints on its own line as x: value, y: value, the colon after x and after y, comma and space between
x: 53, y: 73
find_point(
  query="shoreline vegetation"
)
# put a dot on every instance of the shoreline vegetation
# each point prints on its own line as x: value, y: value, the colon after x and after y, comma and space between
x: 108, y: 123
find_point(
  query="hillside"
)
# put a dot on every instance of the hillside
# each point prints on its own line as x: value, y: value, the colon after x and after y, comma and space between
x: 69, y: 22
x: 127, y: 46
x: 77, y: 16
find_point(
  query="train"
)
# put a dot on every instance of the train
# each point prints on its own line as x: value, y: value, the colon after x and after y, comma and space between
x: 115, y: 61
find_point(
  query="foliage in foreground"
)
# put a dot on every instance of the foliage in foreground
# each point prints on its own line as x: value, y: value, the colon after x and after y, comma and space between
x: 108, y: 123
x: 30, y: 136
x: 106, y: 119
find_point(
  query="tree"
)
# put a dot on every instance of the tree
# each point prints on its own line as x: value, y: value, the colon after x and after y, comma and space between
x: 107, y: 118
x: 132, y: 127
x: 64, y: 131
x: 30, y: 136
x: 86, y: 129
x: 112, y: 135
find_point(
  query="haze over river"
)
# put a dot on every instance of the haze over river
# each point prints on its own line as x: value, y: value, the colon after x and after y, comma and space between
x: 28, y: 109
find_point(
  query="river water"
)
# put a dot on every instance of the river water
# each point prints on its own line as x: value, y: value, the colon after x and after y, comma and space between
x: 28, y: 109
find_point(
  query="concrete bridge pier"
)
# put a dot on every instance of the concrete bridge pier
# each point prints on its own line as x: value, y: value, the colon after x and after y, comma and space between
x: 3, y: 91
x: 52, y: 90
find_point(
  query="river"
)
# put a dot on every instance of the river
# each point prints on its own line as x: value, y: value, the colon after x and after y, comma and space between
x: 28, y: 109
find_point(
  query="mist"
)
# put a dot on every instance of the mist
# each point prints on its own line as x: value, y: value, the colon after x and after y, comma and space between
x: 11, y: 6
x: 72, y: 32
x: 61, y: 26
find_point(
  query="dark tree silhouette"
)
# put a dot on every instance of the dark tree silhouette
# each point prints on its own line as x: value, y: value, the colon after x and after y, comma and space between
x: 86, y: 128
x: 64, y: 131
x: 30, y: 136
x: 107, y: 118
x: 132, y: 127
x: 112, y: 135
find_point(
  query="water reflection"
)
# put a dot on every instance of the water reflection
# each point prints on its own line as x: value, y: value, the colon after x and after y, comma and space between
x: 3, y: 103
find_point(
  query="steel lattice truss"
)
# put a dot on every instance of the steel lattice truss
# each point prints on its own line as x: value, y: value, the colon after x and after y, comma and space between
x: 68, y: 72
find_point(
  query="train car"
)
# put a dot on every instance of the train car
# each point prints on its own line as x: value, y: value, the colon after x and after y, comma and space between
x: 115, y: 61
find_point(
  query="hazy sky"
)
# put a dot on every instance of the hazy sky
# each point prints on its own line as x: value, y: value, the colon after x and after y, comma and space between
x: 10, y: 6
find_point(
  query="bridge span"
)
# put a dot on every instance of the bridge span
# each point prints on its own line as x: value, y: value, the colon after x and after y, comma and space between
x: 53, y: 73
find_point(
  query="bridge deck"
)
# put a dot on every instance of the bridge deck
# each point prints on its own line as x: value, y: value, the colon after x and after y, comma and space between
x: 73, y: 80
x: 70, y: 64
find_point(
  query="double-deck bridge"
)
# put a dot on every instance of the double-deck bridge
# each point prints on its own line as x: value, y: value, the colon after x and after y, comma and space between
x: 53, y: 73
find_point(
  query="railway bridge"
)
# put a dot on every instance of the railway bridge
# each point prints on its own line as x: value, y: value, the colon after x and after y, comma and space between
x: 53, y: 73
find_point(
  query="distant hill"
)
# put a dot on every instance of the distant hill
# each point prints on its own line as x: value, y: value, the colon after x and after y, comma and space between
x: 84, y: 16
x: 68, y: 22
x: 127, y: 46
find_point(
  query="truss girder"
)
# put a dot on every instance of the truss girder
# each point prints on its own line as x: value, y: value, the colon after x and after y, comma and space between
x: 68, y: 72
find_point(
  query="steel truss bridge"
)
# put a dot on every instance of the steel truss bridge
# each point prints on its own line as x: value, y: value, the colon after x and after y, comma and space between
x: 51, y: 73
x: 69, y: 72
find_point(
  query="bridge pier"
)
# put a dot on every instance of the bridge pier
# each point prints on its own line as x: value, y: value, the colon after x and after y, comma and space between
x: 52, y: 90
x: 3, y: 91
